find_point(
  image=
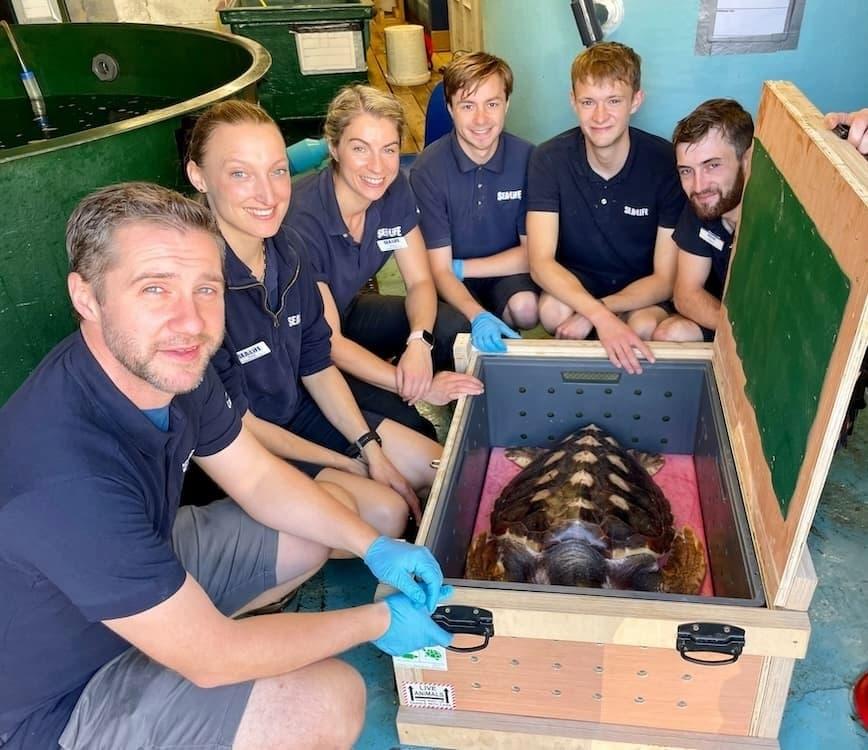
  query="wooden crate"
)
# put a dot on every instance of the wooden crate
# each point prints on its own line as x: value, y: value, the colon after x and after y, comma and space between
x: 582, y: 669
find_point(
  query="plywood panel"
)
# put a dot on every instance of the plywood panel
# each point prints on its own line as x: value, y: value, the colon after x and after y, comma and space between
x: 465, y: 729
x: 601, y: 683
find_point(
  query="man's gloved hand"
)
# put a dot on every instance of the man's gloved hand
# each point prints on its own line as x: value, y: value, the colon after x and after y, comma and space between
x: 458, y: 268
x: 411, y: 627
x: 486, y: 330
x: 408, y: 567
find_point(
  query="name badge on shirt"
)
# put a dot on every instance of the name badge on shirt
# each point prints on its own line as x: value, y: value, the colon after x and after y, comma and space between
x: 711, y: 238
x: 259, y: 349
x: 389, y: 244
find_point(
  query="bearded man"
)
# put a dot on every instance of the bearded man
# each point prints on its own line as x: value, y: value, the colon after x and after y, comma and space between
x: 712, y: 152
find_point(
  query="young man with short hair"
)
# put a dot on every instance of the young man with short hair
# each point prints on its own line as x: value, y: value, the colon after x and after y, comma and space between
x: 470, y: 186
x: 96, y: 557
x: 712, y: 151
x: 603, y: 199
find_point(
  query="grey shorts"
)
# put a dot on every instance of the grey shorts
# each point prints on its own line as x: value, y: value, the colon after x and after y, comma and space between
x: 133, y: 702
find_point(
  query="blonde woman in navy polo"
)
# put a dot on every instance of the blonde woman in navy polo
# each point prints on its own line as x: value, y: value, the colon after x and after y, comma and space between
x: 275, y: 360
x: 354, y: 216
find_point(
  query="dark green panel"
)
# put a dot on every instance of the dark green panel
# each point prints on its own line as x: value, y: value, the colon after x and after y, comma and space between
x: 786, y: 297
x: 284, y: 91
x: 34, y: 306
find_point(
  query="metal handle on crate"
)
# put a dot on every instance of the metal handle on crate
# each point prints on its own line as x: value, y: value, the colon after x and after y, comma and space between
x: 460, y: 618
x: 710, y: 637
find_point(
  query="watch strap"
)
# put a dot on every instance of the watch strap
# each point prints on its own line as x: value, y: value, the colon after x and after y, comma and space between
x: 359, y: 445
x: 422, y: 335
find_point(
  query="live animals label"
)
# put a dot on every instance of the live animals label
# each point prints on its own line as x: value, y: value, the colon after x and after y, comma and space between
x: 433, y: 657
x: 428, y: 695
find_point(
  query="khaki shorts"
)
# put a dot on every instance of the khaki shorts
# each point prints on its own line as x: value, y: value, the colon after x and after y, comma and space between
x: 133, y: 703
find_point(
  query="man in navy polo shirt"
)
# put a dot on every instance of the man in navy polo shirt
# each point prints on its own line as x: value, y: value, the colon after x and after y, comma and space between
x: 95, y: 555
x: 712, y: 149
x: 470, y: 186
x: 603, y: 199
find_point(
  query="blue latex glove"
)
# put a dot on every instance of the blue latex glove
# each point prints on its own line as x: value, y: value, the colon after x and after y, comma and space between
x: 408, y: 567
x: 486, y: 330
x: 411, y: 627
x: 458, y: 268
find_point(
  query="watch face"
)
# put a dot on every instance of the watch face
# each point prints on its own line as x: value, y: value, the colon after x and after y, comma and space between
x: 428, y: 338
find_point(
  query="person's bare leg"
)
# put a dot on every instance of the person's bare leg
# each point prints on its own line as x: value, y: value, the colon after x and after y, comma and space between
x: 410, y: 452
x: 552, y: 312
x: 522, y: 310
x: 377, y: 504
x: 318, y: 707
x: 677, y: 329
x: 645, y: 320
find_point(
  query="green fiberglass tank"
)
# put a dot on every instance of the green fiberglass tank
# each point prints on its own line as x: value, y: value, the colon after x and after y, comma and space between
x: 317, y: 46
x: 119, y: 98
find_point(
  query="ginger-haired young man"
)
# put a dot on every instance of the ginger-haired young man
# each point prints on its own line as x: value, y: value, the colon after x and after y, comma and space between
x: 603, y: 200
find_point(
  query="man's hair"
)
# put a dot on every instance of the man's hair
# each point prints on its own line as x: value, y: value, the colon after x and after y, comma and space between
x: 726, y: 115
x: 608, y: 61
x: 467, y: 72
x: 229, y: 112
x: 355, y: 100
x: 91, y: 229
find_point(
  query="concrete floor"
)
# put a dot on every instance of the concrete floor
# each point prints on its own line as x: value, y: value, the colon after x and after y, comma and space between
x: 818, y: 714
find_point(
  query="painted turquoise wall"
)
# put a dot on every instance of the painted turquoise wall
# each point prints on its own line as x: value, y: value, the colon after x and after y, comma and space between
x: 539, y: 40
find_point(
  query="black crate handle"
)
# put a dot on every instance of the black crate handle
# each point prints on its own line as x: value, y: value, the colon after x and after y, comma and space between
x: 711, y: 638
x: 460, y: 618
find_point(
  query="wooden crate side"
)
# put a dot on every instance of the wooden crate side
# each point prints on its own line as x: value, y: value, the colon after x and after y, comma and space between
x: 642, y: 687
x: 462, y: 730
x: 773, y: 690
x: 632, y: 622
x: 832, y: 186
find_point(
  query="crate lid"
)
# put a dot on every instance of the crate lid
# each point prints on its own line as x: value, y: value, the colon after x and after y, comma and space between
x: 795, y: 323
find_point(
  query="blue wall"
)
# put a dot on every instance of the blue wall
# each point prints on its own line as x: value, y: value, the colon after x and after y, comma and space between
x: 539, y: 40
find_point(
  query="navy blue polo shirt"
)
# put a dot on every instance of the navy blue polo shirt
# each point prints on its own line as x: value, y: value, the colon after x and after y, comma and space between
x: 336, y: 259
x: 607, y: 228
x: 265, y: 350
x: 477, y: 209
x: 90, y: 489
x: 708, y: 239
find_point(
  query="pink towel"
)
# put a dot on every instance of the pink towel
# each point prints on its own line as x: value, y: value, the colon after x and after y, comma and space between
x: 677, y: 479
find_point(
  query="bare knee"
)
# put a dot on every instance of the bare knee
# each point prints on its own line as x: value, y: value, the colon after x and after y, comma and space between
x: 552, y: 312
x: 677, y: 329
x: 388, y: 514
x: 319, y: 706
x: 645, y: 321
x: 523, y: 310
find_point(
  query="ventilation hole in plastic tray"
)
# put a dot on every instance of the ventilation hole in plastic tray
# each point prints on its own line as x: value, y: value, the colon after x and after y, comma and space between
x: 637, y: 417
x: 607, y: 414
x: 579, y: 414
x: 550, y: 390
x: 634, y: 440
x: 522, y: 389
x: 666, y: 419
x: 637, y: 392
x: 664, y: 441
x: 607, y: 391
x: 579, y: 391
x: 550, y: 414
x: 522, y: 413
x: 667, y: 394
x: 523, y: 436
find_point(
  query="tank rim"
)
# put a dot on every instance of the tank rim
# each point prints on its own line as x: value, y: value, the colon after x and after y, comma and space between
x: 259, y: 66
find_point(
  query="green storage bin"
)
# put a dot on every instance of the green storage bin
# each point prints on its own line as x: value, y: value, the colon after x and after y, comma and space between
x: 316, y: 48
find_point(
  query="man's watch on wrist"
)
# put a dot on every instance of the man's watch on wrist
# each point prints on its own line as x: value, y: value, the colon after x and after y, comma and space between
x: 357, y: 448
x: 422, y: 335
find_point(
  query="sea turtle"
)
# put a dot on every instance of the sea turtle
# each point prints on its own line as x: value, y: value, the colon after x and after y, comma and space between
x: 587, y: 513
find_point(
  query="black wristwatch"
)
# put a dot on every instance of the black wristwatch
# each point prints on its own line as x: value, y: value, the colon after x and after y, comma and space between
x: 357, y: 448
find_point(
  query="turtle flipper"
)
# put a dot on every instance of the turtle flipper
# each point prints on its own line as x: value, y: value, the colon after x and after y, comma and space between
x: 651, y: 462
x: 483, y: 559
x: 685, y: 570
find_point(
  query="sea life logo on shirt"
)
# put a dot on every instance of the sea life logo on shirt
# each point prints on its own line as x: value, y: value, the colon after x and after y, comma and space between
x: 384, y: 232
x: 293, y: 320
x: 390, y: 239
x: 630, y: 211
x: 509, y: 195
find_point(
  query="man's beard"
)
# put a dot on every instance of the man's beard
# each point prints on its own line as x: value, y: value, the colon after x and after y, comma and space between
x: 141, y: 364
x: 725, y: 204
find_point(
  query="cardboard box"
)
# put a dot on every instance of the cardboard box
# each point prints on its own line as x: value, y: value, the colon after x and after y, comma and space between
x: 760, y: 411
